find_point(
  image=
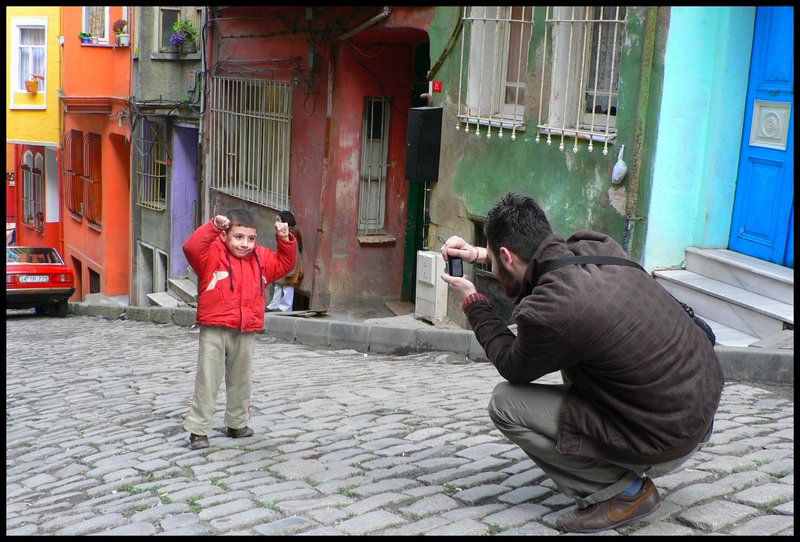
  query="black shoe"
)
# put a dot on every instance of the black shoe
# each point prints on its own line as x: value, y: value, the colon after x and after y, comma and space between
x: 198, y: 442
x: 240, y: 433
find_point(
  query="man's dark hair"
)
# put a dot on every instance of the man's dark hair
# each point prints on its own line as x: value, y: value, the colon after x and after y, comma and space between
x: 242, y: 217
x: 288, y: 217
x: 517, y: 223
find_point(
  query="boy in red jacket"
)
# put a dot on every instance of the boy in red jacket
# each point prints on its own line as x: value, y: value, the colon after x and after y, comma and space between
x: 233, y: 273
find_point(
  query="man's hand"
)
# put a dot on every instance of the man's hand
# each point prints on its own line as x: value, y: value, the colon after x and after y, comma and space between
x: 281, y: 228
x: 456, y: 247
x: 460, y: 286
x: 221, y: 222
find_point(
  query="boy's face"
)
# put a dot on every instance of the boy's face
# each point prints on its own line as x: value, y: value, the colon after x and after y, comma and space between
x: 240, y: 240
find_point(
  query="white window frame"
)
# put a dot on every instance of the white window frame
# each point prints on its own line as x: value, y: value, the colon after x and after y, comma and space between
x: 105, y: 25
x: 17, y: 82
x: 490, y: 60
x: 571, y: 37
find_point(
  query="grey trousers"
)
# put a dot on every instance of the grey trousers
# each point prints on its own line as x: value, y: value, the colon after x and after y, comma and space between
x: 528, y: 414
x: 223, y: 352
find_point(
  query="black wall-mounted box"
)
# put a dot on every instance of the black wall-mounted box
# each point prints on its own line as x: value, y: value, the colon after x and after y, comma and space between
x: 423, y: 143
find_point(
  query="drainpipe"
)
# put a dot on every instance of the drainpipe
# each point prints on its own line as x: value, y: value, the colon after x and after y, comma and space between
x: 363, y: 26
x: 645, y: 80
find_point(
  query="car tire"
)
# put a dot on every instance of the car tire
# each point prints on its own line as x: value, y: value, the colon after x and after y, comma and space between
x: 61, y: 309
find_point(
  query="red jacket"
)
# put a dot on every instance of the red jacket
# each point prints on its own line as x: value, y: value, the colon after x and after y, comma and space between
x: 242, y: 305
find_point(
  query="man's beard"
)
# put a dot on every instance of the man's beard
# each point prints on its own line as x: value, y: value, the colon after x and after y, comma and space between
x: 510, y: 284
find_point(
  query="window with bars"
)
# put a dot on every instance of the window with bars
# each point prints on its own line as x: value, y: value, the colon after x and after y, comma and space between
x: 250, y: 139
x: 73, y: 171
x: 92, y: 179
x: 33, y: 191
x: 496, y: 67
x: 151, y: 165
x: 95, y: 22
x: 374, y: 153
x: 585, y: 48
x: 32, y: 56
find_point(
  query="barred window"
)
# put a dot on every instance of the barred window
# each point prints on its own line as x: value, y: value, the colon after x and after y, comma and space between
x: 585, y: 48
x: 496, y: 67
x: 73, y: 171
x: 92, y: 179
x: 151, y: 165
x: 33, y: 191
x: 250, y: 138
x: 374, y: 152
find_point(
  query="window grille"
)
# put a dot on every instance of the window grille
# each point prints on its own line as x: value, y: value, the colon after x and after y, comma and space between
x: 73, y: 171
x: 497, y: 68
x: 92, y: 179
x: 32, y: 56
x: 374, y: 152
x: 250, y: 138
x: 586, y: 45
x: 151, y: 166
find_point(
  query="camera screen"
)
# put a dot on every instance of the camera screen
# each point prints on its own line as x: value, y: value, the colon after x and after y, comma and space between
x: 456, y: 267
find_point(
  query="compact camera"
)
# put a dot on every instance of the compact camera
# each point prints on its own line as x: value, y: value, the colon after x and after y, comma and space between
x: 455, y: 267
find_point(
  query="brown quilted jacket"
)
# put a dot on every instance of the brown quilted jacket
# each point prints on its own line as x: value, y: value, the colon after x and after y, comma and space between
x: 645, y: 380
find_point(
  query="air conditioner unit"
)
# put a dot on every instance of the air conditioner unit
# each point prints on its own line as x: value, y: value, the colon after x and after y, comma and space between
x: 431, y: 295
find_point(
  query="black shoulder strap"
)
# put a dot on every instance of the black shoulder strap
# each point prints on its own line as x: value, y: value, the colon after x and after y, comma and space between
x: 550, y: 265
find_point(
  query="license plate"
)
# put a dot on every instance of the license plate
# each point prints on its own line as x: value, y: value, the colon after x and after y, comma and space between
x: 33, y: 278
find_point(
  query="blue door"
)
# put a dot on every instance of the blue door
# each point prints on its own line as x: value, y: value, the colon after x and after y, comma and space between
x: 763, y: 210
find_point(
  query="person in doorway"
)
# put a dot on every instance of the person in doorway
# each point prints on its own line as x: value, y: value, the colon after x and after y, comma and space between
x: 233, y: 273
x: 283, y: 297
x: 641, y: 381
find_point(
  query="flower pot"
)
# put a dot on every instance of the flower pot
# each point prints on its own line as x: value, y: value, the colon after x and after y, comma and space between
x: 188, y: 47
x: 86, y: 40
x: 32, y: 86
x: 123, y: 40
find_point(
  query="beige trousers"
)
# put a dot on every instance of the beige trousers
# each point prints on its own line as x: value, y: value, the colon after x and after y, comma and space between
x: 223, y: 352
x: 528, y: 415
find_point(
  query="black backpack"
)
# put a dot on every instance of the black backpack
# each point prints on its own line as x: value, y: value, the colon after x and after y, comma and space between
x: 549, y: 265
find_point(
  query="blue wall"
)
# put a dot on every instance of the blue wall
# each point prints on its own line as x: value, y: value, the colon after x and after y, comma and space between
x: 704, y: 91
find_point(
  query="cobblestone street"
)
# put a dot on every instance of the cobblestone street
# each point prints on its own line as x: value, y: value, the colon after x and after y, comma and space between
x: 345, y: 443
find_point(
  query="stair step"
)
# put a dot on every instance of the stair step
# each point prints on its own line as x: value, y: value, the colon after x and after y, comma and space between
x: 752, y: 313
x: 765, y: 278
x: 727, y: 336
x: 163, y: 299
x: 184, y: 289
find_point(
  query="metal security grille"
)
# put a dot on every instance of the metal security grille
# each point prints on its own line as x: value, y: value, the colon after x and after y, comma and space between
x: 374, y: 151
x: 496, y: 69
x: 151, y: 166
x: 584, y: 74
x: 73, y: 171
x: 92, y: 179
x: 250, y: 136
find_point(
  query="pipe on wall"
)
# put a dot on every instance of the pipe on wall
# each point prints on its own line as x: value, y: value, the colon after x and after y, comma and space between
x: 363, y: 26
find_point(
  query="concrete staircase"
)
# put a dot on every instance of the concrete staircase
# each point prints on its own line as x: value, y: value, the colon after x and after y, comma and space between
x: 182, y: 292
x: 743, y: 299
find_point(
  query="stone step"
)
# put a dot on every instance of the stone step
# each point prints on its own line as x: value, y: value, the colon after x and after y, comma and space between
x: 751, y: 274
x: 727, y: 336
x: 163, y: 299
x: 749, y: 312
x: 184, y: 289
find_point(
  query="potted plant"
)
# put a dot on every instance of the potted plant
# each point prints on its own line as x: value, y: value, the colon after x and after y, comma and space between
x: 32, y: 83
x: 85, y: 37
x: 120, y: 29
x: 183, y: 36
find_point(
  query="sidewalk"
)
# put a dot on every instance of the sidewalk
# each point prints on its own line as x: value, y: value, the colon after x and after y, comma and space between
x: 378, y: 329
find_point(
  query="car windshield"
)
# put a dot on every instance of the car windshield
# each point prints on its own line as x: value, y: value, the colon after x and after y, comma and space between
x: 32, y: 255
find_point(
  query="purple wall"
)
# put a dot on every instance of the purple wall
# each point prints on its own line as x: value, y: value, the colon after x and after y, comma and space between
x: 184, y: 196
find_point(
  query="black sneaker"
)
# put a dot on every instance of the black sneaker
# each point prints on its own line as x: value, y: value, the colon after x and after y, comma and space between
x: 198, y: 442
x: 240, y: 433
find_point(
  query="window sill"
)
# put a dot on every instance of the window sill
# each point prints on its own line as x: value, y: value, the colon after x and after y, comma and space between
x: 102, y: 45
x: 381, y: 239
x: 174, y: 56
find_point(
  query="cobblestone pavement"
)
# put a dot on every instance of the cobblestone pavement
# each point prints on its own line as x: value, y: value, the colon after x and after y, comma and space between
x: 346, y: 443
